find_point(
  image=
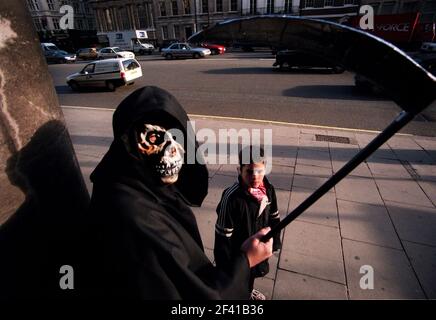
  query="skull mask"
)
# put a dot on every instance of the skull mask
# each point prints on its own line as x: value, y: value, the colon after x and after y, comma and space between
x: 165, y: 154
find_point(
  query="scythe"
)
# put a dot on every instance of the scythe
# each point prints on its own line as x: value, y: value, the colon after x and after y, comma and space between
x: 404, y: 80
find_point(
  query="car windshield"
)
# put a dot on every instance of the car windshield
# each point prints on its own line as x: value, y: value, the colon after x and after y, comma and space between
x: 117, y: 49
x: 52, y: 47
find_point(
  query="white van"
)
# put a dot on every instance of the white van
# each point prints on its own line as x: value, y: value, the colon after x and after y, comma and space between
x: 110, y: 73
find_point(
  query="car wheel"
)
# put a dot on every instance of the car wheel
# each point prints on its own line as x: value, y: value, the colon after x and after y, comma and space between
x: 149, y: 52
x: 74, y: 85
x: 141, y: 51
x: 196, y: 55
x: 110, y: 85
x: 168, y: 56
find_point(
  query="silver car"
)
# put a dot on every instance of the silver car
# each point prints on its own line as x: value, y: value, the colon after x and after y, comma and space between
x: 184, y: 50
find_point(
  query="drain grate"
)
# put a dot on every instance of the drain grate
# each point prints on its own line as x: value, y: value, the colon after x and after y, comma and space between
x: 336, y: 139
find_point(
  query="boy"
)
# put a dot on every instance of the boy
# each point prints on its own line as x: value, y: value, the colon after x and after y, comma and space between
x: 246, y: 207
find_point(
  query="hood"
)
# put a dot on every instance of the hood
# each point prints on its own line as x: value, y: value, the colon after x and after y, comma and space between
x: 155, y: 106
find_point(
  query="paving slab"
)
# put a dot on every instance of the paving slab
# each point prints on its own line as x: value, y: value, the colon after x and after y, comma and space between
x: 367, y: 223
x: 423, y: 260
x: 314, y: 250
x: 403, y: 191
x: 393, y: 169
x: 206, y: 219
x: 429, y: 187
x: 264, y: 285
x: 393, y: 276
x: 310, y: 177
x: 323, y: 212
x: 413, y: 223
x: 294, y: 286
x: 407, y: 149
x: 281, y: 177
x: 217, y: 184
x: 358, y: 189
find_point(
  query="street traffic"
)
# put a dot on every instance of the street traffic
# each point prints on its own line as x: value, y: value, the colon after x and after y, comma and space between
x: 246, y: 85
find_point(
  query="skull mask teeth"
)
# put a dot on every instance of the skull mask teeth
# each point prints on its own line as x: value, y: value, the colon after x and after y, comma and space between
x: 164, y: 152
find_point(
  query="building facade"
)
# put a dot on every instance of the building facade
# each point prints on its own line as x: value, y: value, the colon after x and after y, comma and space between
x: 46, y: 14
x: 179, y: 19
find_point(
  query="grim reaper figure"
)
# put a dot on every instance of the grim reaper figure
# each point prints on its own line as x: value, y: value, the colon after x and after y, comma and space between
x: 143, y: 240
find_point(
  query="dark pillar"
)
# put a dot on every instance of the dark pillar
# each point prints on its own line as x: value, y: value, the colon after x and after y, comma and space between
x: 43, y: 197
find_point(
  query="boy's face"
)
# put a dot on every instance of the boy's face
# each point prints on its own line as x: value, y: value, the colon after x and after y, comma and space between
x: 252, y: 174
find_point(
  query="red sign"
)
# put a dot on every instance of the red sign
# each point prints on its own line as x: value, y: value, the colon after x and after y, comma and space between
x: 398, y: 27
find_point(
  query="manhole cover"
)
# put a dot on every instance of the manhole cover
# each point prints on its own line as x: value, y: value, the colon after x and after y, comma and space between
x: 336, y: 139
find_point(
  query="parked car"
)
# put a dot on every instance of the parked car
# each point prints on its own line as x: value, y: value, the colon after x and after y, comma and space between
x: 59, y: 56
x: 183, y: 50
x: 166, y: 43
x: 109, y: 73
x: 114, y: 52
x: 214, y: 48
x: 87, y: 53
x: 287, y: 59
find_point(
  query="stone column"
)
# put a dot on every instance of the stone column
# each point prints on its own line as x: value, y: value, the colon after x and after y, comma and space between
x: 43, y: 198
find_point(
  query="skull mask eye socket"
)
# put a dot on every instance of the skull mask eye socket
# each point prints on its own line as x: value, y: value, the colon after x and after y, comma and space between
x: 155, y: 137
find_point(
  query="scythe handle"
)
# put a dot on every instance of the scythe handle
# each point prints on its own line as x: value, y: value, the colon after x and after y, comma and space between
x: 400, y: 121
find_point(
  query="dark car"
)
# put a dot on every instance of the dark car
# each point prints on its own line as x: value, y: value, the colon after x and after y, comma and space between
x: 59, y: 56
x: 288, y: 59
x: 366, y: 85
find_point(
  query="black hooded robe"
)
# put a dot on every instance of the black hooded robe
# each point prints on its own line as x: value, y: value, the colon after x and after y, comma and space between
x: 142, y: 240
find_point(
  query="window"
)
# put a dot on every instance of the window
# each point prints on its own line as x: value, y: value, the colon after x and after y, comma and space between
x: 187, y: 6
x: 79, y: 24
x: 175, y: 8
x: 176, y: 32
x: 387, y: 7
x: 125, y: 23
x: 90, y: 24
x: 37, y: 24
x: 204, y: 6
x: 142, y: 16
x: 288, y: 6
x: 164, y: 32
x: 253, y: 6
x: 33, y: 5
x: 328, y: 3
x: 233, y: 5
x: 50, y: 5
x: 348, y: 2
x: 270, y: 6
x: 163, y: 11
x: 89, y: 68
x: 56, y: 24
x: 218, y: 5
x: 310, y: 3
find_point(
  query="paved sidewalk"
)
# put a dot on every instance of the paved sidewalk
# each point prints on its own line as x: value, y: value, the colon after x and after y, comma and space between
x: 383, y: 215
